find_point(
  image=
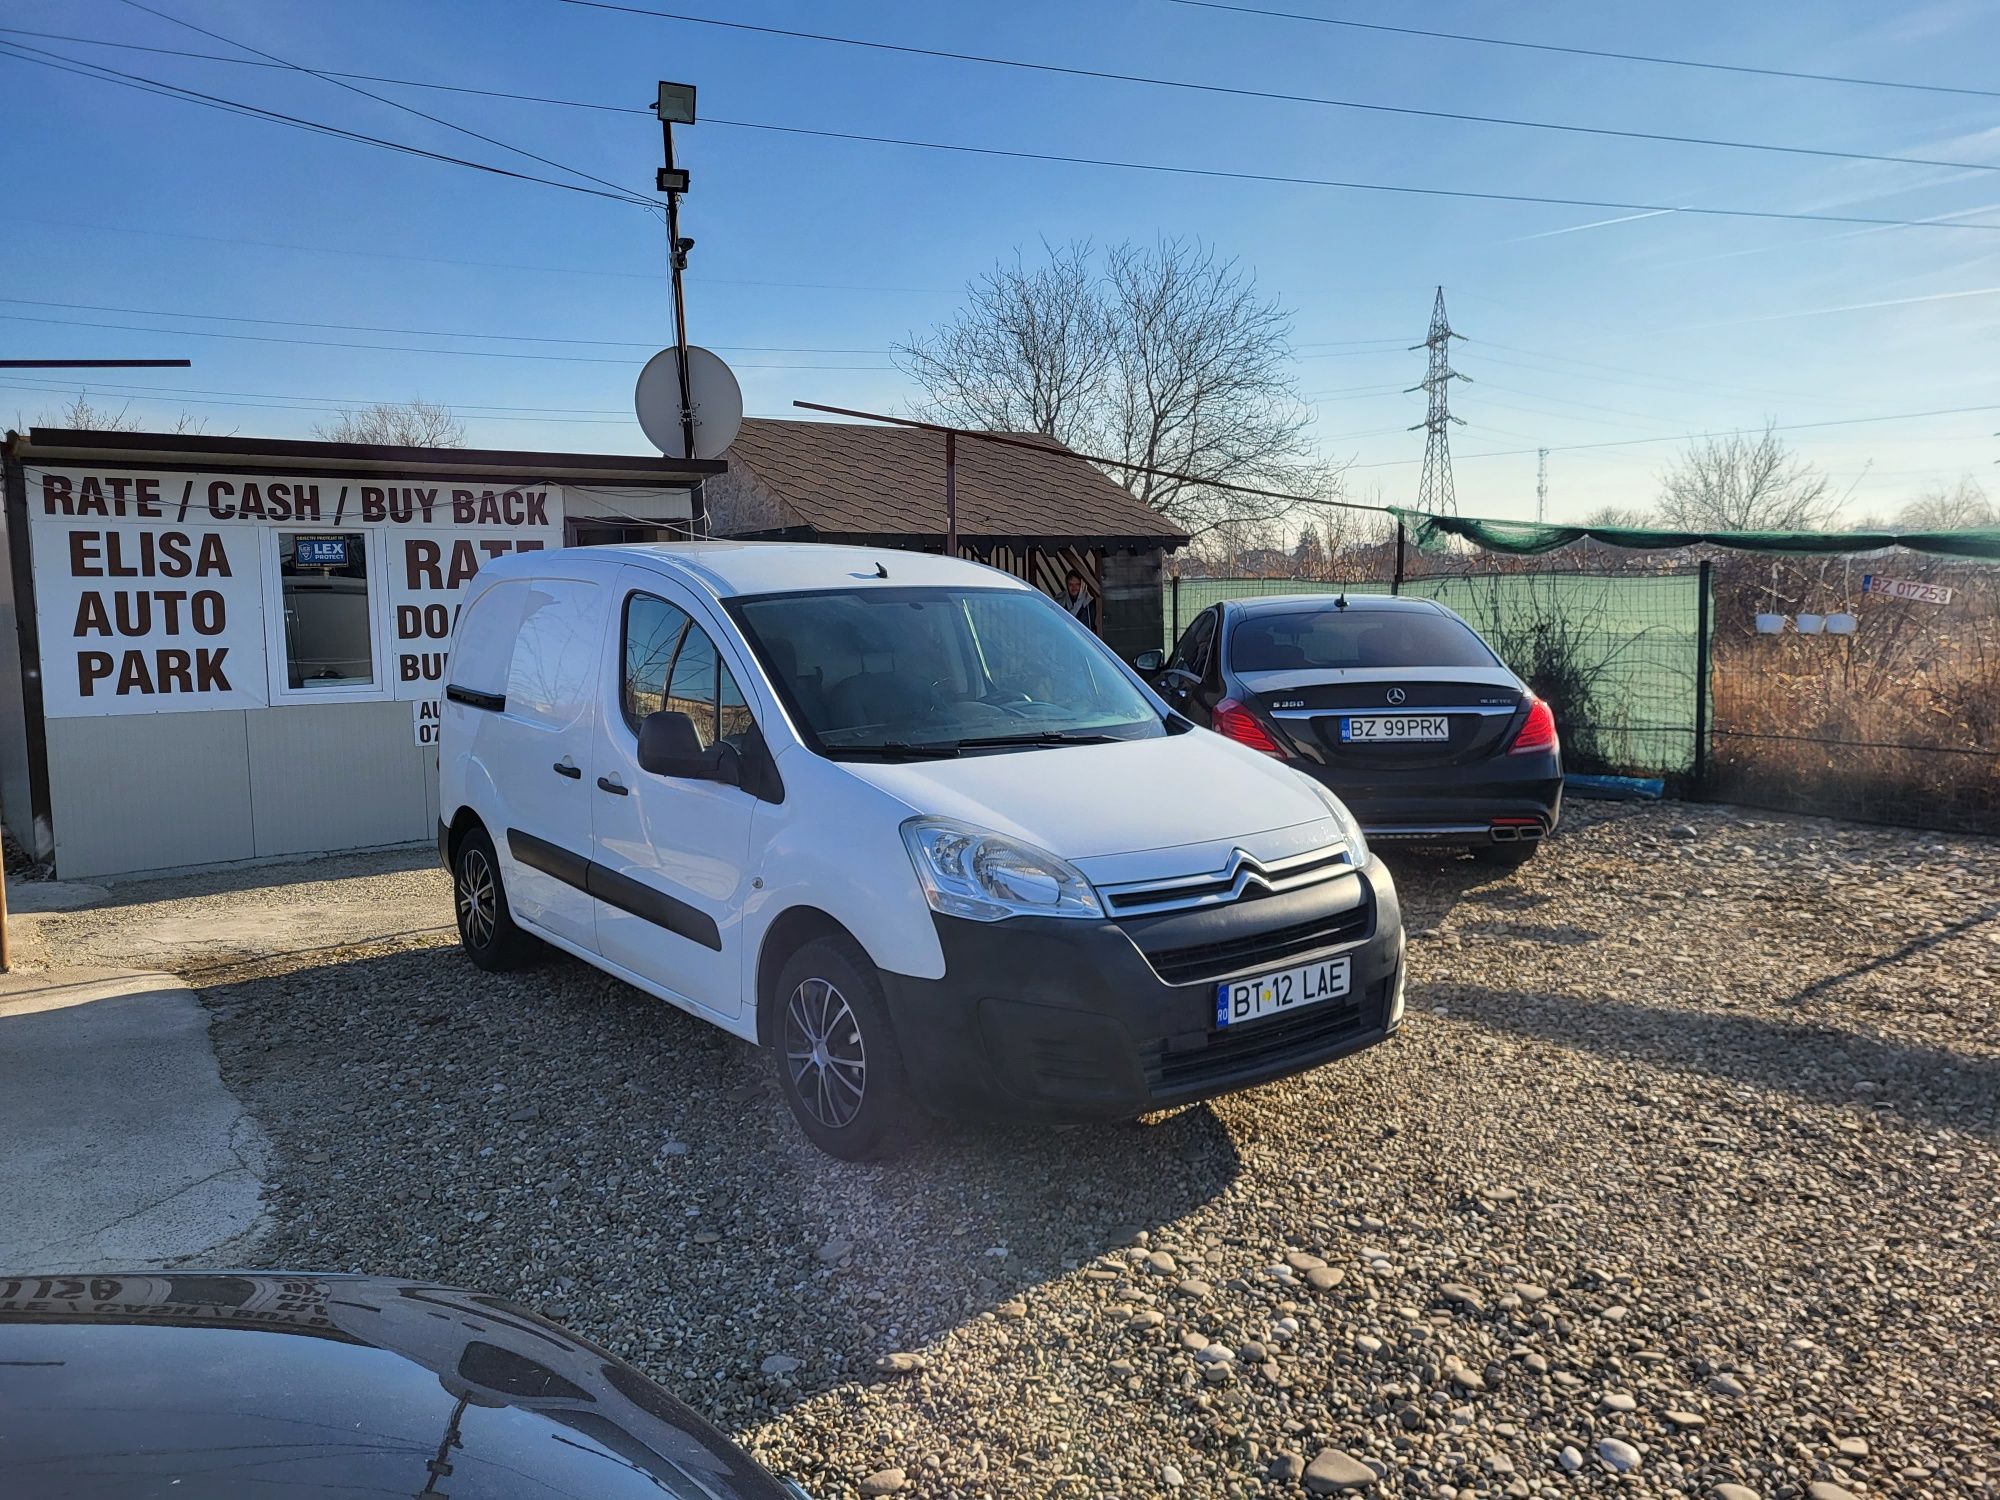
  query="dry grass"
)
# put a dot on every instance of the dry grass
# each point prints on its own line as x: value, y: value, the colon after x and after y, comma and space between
x: 1898, y: 722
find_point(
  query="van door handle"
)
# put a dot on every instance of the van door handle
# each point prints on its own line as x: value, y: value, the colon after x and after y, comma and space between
x: 616, y: 788
x: 563, y: 768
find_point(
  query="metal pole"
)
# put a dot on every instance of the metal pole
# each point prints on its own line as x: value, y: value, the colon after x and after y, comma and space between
x: 951, y: 494
x: 1396, y: 583
x: 1701, y: 668
x: 1176, y: 591
x: 677, y: 258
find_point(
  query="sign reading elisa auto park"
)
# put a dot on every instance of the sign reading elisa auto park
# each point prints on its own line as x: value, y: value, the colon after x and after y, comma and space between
x: 162, y: 592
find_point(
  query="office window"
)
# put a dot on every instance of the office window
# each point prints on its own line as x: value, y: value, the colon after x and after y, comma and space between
x: 323, y: 578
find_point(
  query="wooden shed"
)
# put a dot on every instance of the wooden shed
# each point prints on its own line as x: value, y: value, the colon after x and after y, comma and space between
x: 1035, y: 512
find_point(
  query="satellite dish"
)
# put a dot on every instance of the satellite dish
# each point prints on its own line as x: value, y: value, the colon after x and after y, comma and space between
x: 712, y: 391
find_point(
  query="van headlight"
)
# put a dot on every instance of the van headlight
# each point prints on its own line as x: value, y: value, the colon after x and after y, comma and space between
x: 986, y: 877
x: 1351, y: 837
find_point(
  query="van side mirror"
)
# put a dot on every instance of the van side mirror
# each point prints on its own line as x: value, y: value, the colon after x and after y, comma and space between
x: 670, y: 746
x: 1149, y: 662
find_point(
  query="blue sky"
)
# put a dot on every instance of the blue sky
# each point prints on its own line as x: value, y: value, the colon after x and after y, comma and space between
x: 1577, y: 335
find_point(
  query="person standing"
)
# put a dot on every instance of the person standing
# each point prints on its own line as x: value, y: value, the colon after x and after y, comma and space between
x: 1078, y: 602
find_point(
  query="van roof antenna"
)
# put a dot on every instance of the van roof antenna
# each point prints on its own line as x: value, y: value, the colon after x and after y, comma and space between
x: 881, y: 571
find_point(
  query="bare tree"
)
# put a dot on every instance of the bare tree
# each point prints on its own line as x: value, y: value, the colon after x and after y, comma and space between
x: 80, y: 415
x: 1164, y: 356
x: 1745, y: 483
x: 397, y: 424
x: 1954, y: 507
x: 1630, y: 517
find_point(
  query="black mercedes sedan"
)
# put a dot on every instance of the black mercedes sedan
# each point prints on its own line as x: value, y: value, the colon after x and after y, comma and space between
x: 1394, y: 703
x: 309, y: 1387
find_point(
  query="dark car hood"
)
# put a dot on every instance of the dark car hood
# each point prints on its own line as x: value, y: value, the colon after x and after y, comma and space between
x: 182, y: 1385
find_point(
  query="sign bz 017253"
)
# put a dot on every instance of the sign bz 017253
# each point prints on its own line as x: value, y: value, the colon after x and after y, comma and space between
x: 1905, y: 588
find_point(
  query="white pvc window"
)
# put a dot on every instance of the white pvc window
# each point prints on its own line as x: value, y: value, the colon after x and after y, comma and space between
x: 326, y: 615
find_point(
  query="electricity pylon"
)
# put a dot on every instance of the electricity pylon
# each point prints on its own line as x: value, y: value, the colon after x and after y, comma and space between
x: 1435, y: 493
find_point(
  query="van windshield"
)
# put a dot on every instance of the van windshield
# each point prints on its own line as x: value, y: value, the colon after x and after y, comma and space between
x: 935, y: 671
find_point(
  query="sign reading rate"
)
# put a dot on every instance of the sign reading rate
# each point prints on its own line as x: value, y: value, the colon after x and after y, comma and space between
x: 161, y: 592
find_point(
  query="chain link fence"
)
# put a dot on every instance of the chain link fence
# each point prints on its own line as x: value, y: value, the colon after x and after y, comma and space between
x: 1866, y: 688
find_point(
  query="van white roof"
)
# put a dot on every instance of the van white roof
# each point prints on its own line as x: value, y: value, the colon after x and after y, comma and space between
x: 727, y: 569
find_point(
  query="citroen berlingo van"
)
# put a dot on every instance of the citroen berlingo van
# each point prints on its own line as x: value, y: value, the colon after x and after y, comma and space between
x: 904, y: 822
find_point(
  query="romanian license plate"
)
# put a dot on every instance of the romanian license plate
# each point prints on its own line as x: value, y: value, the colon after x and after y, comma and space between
x: 1241, y: 1000
x: 1384, y: 728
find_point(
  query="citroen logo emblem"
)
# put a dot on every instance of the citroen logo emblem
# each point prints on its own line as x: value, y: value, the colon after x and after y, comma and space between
x: 1395, y: 695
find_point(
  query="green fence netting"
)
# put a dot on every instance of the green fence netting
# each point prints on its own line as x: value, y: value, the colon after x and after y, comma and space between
x: 1524, y: 538
x: 1617, y: 653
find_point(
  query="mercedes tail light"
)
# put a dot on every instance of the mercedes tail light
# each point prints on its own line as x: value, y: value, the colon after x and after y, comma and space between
x: 1538, y: 732
x: 1233, y: 721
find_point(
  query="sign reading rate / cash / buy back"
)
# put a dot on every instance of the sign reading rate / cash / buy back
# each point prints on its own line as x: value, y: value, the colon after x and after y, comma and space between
x: 161, y: 592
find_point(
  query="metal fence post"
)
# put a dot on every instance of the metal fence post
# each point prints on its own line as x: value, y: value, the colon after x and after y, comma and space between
x: 1701, y: 667
x: 1396, y: 583
x: 1175, y: 580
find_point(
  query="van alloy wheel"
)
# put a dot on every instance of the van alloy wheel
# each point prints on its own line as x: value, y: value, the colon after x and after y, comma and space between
x: 477, y: 907
x: 825, y: 1053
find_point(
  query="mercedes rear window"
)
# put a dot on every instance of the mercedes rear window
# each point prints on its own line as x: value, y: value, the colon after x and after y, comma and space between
x: 1336, y: 639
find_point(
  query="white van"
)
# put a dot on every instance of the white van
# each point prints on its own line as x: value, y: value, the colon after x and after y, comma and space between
x: 903, y: 821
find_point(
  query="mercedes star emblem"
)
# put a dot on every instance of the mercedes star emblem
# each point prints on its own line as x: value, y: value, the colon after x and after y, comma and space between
x: 1395, y: 695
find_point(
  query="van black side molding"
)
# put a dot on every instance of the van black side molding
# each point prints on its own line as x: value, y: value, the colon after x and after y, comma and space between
x: 622, y: 891
x: 473, y: 698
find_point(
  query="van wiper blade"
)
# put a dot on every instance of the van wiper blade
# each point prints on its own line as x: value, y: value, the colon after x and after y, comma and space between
x: 902, y: 749
x: 1044, y: 737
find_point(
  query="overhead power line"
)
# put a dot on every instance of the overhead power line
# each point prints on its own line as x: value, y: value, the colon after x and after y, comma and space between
x: 1157, y: 168
x: 267, y: 338
x: 1681, y: 437
x: 408, y: 109
x: 1323, y: 101
x: 625, y: 109
x: 177, y: 392
x: 1637, y: 57
x: 1217, y: 173
x: 44, y: 58
x: 427, y: 333
x: 468, y: 415
x: 495, y: 265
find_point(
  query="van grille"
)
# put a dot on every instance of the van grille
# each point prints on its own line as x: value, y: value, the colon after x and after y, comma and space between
x: 1242, y: 875
x: 1263, y: 950
x: 1266, y: 1047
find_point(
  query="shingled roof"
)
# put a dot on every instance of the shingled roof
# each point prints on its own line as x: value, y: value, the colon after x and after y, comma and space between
x: 860, y: 481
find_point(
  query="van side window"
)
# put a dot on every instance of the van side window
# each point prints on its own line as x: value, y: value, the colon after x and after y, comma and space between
x: 653, y: 630
x: 670, y: 662
x: 554, y: 646
x: 691, y: 690
x: 702, y: 688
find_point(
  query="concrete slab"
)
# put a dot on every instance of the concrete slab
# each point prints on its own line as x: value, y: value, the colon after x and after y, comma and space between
x: 122, y: 1146
x: 29, y: 897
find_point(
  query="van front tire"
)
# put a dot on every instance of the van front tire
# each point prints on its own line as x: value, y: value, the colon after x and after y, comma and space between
x: 486, y: 929
x: 838, y: 1063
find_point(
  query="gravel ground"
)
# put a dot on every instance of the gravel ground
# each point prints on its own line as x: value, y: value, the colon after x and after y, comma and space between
x: 1682, y: 1175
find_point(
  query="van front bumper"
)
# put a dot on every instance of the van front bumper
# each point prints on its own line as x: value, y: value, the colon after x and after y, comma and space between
x: 1063, y: 1019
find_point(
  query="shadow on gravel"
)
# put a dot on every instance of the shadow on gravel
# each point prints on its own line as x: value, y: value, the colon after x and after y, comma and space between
x: 1895, y: 956
x: 1432, y: 882
x: 558, y: 1137
x: 1928, y: 1086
